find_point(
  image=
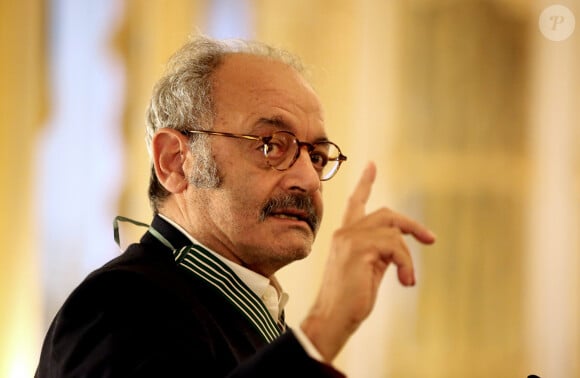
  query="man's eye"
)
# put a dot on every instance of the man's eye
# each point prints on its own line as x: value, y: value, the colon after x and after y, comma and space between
x: 274, y: 148
x: 318, y: 159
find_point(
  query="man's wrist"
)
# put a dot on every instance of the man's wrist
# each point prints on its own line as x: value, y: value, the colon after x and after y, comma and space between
x: 307, y: 344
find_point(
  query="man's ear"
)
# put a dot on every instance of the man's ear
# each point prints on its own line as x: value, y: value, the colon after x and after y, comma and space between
x: 169, y: 151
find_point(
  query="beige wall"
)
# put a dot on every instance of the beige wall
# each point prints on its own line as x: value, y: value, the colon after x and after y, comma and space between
x: 472, y: 117
x: 22, y: 110
x: 151, y: 31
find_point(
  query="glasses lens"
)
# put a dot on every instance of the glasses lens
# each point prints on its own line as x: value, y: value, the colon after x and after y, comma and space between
x: 326, y: 159
x: 281, y: 150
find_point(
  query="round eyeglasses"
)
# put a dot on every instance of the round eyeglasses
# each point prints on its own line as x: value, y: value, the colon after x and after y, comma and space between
x: 282, y: 149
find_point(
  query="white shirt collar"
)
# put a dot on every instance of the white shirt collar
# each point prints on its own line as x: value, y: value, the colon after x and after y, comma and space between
x: 256, y: 282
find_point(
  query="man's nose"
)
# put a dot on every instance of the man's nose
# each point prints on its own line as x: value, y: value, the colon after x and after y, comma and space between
x: 302, y: 173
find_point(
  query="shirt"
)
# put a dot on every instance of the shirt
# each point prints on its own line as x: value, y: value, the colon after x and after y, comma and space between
x: 268, y: 289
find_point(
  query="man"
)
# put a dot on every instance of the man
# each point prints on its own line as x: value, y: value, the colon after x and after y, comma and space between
x: 239, y: 152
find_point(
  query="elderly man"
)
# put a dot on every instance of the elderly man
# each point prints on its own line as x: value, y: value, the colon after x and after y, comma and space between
x: 239, y: 153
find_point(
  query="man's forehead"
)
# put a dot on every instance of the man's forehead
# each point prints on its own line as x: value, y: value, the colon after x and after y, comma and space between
x: 261, y: 76
x: 265, y: 88
x: 251, y: 71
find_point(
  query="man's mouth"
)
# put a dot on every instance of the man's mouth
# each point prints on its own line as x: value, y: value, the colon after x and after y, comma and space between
x: 292, y: 207
x: 291, y: 215
x: 295, y: 216
x: 286, y: 216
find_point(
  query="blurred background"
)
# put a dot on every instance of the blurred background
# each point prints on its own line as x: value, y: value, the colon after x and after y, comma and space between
x: 470, y: 108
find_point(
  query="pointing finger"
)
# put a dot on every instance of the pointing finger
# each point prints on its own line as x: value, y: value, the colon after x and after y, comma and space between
x: 385, y: 217
x: 410, y: 226
x: 355, y: 209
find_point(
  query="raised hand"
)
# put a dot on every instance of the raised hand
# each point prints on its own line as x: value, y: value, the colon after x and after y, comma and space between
x: 361, y: 251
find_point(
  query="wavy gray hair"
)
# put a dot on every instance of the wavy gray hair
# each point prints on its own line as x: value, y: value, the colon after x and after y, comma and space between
x: 182, y: 99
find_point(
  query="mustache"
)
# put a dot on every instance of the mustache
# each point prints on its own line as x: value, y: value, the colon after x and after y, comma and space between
x: 292, y: 201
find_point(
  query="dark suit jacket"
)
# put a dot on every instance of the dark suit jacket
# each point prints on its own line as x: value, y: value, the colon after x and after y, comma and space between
x: 141, y: 316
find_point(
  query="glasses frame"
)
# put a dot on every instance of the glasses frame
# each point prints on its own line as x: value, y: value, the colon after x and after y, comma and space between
x: 266, y: 139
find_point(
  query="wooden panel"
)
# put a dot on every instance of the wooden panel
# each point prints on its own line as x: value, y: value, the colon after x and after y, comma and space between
x: 463, y: 165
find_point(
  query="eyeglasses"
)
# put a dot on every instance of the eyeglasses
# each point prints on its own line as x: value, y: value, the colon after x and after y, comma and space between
x: 282, y: 149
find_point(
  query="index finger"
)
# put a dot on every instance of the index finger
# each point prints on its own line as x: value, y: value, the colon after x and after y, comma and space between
x: 355, y: 209
x: 410, y: 226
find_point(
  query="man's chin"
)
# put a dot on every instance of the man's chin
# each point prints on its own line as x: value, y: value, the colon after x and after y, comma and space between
x: 297, y: 239
x: 294, y: 246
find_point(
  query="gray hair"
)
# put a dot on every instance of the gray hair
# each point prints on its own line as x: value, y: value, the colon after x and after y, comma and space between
x: 182, y: 100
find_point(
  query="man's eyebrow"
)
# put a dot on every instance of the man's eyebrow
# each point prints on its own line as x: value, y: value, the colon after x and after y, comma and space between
x: 279, y: 123
x: 276, y: 121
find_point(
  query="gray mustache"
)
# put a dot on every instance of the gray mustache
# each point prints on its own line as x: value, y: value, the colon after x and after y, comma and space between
x: 292, y: 201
